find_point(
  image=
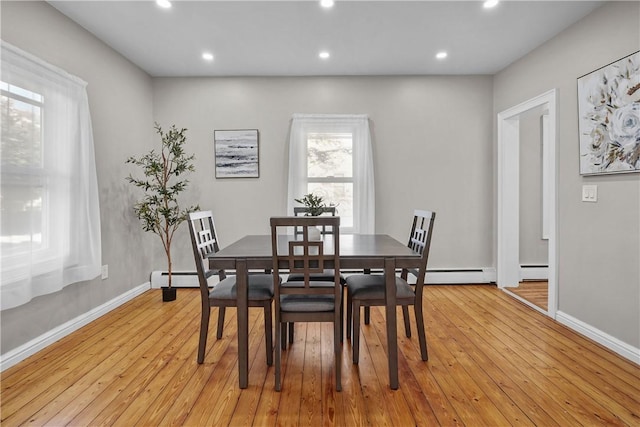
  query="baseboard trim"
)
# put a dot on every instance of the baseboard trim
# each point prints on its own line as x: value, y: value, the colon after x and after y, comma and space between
x: 612, y: 343
x: 18, y: 354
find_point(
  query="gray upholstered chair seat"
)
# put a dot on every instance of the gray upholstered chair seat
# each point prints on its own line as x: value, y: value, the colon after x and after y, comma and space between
x: 307, y: 303
x: 260, y: 288
x: 371, y: 286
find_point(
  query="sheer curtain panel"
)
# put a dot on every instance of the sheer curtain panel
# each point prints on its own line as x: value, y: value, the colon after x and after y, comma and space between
x: 331, y: 155
x: 50, y: 216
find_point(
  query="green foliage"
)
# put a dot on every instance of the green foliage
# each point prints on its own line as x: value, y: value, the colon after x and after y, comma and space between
x: 315, y: 204
x: 159, y: 210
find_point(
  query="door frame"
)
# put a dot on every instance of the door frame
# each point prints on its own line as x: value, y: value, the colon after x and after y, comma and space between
x: 508, y: 249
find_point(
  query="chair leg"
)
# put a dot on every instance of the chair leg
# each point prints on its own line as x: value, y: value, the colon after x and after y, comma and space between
x: 221, y: 311
x: 204, y: 329
x: 337, y: 350
x: 342, y: 318
x: 268, y: 332
x: 422, y: 338
x: 278, y: 350
x: 355, y: 339
x: 291, y: 332
x: 283, y: 332
x: 367, y: 315
x: 407, y: 323
x: 349, y: 314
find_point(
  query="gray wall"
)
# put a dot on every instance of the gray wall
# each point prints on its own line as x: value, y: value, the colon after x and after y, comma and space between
x: 431, y: 142
x: 598, y: 243
x: 120, y: 98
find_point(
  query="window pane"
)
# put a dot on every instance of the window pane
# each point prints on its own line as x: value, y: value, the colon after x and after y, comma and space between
x: 21, y: 218
x: 21, y: 133
x: 340, y: 194
x: 330, y: 154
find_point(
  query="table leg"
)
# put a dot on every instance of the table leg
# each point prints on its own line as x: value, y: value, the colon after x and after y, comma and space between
x: 392, y: 331
x: 243, y: 322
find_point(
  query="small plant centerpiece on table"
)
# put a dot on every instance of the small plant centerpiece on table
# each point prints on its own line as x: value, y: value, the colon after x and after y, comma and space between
x: 159, y: 210
x: 315, y: 206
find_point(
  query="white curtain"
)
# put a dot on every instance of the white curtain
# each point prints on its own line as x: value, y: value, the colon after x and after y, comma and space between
x: 50, y: 224
x: 363, y: 177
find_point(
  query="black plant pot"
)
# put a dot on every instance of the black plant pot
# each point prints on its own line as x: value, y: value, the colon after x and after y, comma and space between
x: 168, y: 294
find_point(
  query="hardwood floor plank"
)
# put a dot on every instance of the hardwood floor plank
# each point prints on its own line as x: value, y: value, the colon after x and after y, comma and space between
x: 53, y: 365
x: 244, y: 411
x: 492, y: 361
x: 33, y: 363
x: 505, y: 373
x: 53, y: 385
x: 291, y: 394
x: 333, y: 408
x: 311, y: 404
x: 371, y: 385
x: 170, y: 342
x: 411, y: 390
x: 542, y: 356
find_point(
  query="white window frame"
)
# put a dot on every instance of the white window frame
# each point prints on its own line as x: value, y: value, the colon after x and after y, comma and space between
x: 363, y: 177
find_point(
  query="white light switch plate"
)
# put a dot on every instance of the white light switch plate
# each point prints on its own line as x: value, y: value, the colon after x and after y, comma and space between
x: 589, y: 193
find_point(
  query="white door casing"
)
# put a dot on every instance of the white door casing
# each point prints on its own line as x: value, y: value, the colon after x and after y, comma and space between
x: 508, y: 259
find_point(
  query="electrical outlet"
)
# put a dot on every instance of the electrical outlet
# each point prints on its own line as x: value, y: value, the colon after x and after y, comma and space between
x: 105, y: 271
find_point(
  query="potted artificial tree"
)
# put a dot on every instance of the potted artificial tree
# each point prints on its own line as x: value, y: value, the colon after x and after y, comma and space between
x: 159, y: 210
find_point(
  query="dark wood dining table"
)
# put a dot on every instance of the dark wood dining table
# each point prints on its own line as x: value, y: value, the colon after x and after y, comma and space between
x: 357, y: 251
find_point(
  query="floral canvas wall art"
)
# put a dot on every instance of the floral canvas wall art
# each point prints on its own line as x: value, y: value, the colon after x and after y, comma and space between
x: 236, y: 153
x: 609, y: 118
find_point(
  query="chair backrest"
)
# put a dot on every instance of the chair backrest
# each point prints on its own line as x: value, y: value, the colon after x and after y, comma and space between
x: 300, y: 254
x: 302, y: 210
x: 420, y: 241
x: 204, y: 241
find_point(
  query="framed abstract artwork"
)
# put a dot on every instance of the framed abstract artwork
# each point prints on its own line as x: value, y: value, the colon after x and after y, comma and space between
x: 236, y: 153
x: 609, y: 118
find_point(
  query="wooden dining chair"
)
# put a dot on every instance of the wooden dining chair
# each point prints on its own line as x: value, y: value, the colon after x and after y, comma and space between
x: 367, y: 290
x: 325, y: 275
x: 204, y: 241
x: 306, y: 300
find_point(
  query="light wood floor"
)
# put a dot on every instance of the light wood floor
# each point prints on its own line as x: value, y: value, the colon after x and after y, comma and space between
x: 493, y: 361
x: 536, y: 292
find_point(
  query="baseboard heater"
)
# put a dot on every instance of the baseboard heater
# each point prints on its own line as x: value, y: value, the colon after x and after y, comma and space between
x: 534, y: 272
x: 457, y: 276
x: 179, y: 279
x: 189, y: 279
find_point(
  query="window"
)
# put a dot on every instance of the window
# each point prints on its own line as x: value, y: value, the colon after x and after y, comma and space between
x: 330, y: 156
x: 50, y: 218
x: 23, y: 183
x: 330, y: 171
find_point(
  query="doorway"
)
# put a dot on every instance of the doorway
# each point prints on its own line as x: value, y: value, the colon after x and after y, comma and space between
x: 509, y: 269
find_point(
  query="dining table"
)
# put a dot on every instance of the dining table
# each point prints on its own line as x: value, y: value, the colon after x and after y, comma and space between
x: 357, y: 252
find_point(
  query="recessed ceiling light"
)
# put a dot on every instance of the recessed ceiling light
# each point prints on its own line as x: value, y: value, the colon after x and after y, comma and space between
x: 441, y: 55
x: 490, y: 3
x: 207, y: 56
x: 324, y: 55
x: 326, y: 3
x: 165, y: 4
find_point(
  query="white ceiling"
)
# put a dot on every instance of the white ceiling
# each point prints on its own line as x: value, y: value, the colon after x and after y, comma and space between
x: 283, y: 38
